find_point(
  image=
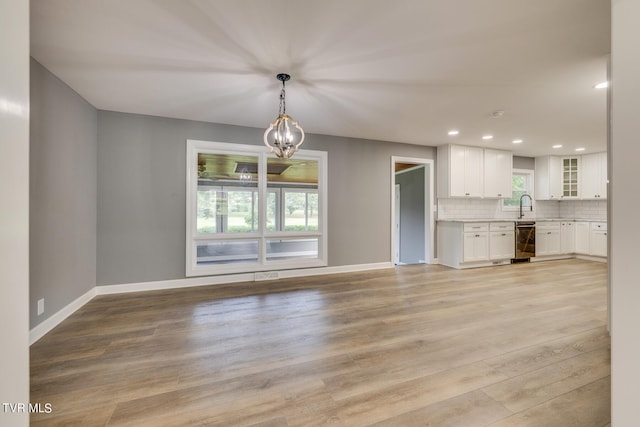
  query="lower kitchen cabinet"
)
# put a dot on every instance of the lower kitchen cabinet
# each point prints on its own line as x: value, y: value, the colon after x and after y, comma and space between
x: 468, y: 244
x: 475, y: 244
x: 583, y: 235
x: 548, y: 238
x: 598, y: 239
x: 502, y: 240
x: 567, y: 237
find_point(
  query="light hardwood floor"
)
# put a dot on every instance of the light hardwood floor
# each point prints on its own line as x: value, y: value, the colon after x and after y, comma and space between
x: 518, y: 345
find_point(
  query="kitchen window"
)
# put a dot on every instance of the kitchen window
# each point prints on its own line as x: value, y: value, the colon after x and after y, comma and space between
x: 248, y: 211
x: 521, y: 183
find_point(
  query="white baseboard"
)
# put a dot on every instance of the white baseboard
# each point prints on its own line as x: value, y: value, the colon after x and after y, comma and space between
x: 592, y: 258
x: 39, y: 331
x: 188, y: 282
x: 335, y: 270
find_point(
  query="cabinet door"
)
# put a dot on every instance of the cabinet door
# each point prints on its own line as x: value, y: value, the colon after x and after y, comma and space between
x: 473, y: 172
x: 456, y: 173
x: 567, y: 238
x: 603, y: 176
x: 593, y: 176
x: 570, y: 175
x: 599, y: 239
x: 547, y: 242
x: 582, y: 230
x: 501, y: 245
x: 498, y: 170
x: 590, y: 177
x: 465, y: 174
x: 555, y: 178
x: 599, y: 243
x: 548, y: 178
x: 476, y: 246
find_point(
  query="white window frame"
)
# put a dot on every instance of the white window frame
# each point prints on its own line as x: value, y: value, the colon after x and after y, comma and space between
x: 193, y: 238
x: 530, y: 180
x: 283, y: 198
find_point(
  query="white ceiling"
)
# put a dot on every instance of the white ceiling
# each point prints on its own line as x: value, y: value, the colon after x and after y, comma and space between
x: 405, y: 71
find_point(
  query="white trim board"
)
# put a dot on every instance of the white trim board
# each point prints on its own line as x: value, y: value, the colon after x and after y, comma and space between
x: 43, y: 328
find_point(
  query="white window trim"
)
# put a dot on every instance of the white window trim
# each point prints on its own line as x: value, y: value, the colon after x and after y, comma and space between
x: 284, y: 192
x: 262, y: 153
x: 530, y: 174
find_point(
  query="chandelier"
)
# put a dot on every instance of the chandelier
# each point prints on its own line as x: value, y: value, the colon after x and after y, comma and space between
x: 284, y: 136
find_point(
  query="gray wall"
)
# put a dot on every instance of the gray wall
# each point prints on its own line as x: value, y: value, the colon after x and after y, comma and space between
x: 141, y: 194
x: 63, y: 163
x: 524, y: 162
x: 412, y: 195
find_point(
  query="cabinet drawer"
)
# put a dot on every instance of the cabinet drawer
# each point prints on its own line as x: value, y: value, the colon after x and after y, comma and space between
x: 475, y: 226
x: 547, y: 225
x: 602, y: 226
x: 502, y: 226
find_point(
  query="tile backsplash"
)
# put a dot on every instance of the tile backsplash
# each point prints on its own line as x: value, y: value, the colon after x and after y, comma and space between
x: 492, y: 209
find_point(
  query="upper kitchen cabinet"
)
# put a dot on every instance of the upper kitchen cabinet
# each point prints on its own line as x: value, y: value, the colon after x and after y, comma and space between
x: 570, y: 177
x: 498, y: 167
x: 460, y: 171
x: 557, y: 177
x: 548, y: 177
x: 593, y: 178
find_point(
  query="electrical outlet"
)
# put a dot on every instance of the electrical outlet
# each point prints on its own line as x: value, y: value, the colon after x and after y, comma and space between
x: 40, y: 306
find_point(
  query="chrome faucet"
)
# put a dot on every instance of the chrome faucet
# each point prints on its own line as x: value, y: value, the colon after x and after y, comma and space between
x: 530, y: 204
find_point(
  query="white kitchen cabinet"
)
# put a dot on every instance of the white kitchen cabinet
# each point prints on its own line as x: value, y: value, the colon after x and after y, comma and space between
x: 570, y: 177
x: 567, y: 237
x: 548, y: 239
x: 583, y: 235
x: 598, y: 239
x: 473, y: 244
x: 501, y: 240
x: 548, y: 178
x: 593, y: 176
x: 498, y: 172
x: 476, y: 242
x: 460, y: 171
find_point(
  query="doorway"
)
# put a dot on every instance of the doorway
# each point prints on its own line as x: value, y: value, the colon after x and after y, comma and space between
x: 412, y: 221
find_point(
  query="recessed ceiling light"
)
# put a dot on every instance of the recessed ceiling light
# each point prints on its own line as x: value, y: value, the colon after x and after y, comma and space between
x: 580, y: 149
x: 557, y: 146
x: 517, y: 141
x: 453, y: 132
x: 601, y: 85
x: 487, y: 137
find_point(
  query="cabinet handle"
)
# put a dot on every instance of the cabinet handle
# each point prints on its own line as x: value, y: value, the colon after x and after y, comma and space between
x: 499, y: 194
x: 548, y: 232
x: 504, y: 234
x: 466, y: 194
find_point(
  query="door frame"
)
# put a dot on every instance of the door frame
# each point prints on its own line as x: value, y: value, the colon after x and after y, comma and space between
x: 429, y: 213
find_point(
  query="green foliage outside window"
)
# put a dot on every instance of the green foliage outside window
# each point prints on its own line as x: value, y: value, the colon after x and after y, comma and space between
x: 519, y: 187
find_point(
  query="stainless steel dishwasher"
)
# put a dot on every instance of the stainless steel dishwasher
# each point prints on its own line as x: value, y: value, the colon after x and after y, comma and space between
x: 525, y: 241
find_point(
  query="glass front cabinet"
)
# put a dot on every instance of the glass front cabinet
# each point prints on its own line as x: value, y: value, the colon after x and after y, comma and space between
x: 570, y: 173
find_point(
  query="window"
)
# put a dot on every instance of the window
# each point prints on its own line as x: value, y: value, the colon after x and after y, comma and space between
x: 522, y: 183
x: 248, y: 211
